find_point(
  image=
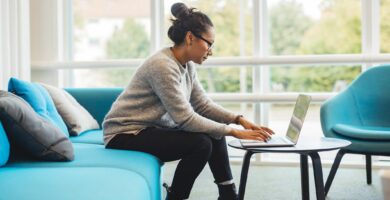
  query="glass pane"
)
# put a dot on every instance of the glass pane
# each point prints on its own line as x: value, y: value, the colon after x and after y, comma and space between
x: 225, y: 79
x: 104, y: 29
x: 233, y: 23
x: 279, y: 119
x: 314, y: 27
x: 385, y: 26
x: 113, y: 77
x: 312, y: 78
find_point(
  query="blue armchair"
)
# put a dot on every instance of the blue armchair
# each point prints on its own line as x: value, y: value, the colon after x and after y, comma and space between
x: 360, y: 114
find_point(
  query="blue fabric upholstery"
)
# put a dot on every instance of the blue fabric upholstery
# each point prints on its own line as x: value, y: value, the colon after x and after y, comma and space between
x: 91, y: 155
x: 95, y: 173
x: 39, y: 99
x: 4, y: 146
x: 363, y: 132
x: 87, y: 183
x: 361, y: 113
x: 89, y: 137
x: 97, y: 101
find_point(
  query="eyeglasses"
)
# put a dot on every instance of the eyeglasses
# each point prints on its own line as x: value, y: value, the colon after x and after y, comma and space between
x: 210, y: 45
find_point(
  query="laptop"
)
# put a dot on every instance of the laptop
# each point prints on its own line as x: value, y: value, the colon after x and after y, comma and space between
x: 293, y: 131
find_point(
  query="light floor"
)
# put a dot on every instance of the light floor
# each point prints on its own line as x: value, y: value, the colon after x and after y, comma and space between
x: 273, y: 183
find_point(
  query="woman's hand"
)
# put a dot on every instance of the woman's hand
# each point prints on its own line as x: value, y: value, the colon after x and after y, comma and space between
x: 250, y: 134
x: 249, y: 125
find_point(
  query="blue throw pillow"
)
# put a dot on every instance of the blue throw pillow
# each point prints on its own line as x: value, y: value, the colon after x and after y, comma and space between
x: 4, y: 146
x: 30, y: 133
x: 39, y: 99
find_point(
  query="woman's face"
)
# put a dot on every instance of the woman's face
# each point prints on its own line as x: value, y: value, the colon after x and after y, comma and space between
x: 202, y: 46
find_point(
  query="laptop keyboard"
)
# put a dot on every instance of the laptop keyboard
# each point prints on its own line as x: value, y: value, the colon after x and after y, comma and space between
x: 277, y: 140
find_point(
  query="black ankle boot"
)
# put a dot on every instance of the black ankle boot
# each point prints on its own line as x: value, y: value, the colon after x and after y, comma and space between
x: 170, y: 195
x: 227, y: 192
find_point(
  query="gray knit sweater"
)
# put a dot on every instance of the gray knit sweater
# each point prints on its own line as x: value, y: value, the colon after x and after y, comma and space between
x: 163, y: 93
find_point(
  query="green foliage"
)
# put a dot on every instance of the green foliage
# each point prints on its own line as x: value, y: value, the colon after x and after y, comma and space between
x: 129, y: 42
x: 313, y: 79
x: 288, y: 23
x: 226, y: 79
x: 385, y: 26
x: 225, y: 17
x: 337, y: 31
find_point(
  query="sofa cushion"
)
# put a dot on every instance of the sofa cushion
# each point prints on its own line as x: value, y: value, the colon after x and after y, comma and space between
x: 97, y: 101
x: 90, y: 137
x: 39, y: 99
x: 31, y: 132
x: 4, y: 146
x: 92, y: 155
x: 75, y: 116
x: 72, y: 183
x: 363, y: 132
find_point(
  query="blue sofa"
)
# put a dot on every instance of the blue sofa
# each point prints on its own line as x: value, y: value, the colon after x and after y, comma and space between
x: 95, y: 173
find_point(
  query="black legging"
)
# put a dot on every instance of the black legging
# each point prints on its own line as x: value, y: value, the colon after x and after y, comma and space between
x: 193, y: 150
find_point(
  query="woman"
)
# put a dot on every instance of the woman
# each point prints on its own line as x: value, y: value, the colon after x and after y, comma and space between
x: 164, y: 110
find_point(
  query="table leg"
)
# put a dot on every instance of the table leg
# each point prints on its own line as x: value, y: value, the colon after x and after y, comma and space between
x: 318, y: 177
x: 244, y: 174
x: 304, y: 178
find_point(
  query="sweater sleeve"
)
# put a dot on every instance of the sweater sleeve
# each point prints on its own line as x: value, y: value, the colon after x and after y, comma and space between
x: 206, y: 107
x: 164, y: 78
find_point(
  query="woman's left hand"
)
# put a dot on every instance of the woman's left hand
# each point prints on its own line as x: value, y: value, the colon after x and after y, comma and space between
x: 250, y: 125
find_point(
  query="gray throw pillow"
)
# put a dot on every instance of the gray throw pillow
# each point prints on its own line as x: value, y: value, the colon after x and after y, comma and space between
x: 76, y: 117
x: 32, y: 133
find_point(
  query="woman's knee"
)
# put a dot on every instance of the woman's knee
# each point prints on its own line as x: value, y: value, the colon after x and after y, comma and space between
x: 203, y: 144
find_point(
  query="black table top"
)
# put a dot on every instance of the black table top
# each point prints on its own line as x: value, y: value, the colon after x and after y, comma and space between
x: 320, y: 144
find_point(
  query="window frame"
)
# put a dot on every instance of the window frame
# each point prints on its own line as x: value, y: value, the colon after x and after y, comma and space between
x: 261, y: 61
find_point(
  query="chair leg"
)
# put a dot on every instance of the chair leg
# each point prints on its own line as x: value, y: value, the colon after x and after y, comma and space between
x: 333, y: 170
x: 368, y: 169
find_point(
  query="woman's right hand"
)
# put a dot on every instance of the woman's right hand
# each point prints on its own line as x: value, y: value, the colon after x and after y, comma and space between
x: 249, y: 134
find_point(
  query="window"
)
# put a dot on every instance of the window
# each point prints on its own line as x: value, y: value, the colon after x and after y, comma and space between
x: 236, y: 79
x: 385, y: 26
x: 104, y: 29
x: 314, y: 27
x: 107, y: 77
x: 312, y: 78
x: 107, y: 30
x: 233, y: 23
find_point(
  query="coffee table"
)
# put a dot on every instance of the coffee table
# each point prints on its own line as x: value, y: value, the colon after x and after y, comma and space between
x: 304, y: 149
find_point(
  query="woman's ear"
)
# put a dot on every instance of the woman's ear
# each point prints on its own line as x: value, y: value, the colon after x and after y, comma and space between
x: 189, y: 38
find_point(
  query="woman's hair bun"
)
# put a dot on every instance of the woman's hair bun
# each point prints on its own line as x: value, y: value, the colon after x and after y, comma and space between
x: 180, y: 10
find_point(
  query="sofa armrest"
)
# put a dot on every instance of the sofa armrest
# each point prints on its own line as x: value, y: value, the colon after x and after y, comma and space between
x: 97, y: 101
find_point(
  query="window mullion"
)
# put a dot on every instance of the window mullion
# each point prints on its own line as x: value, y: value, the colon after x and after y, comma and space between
x: 157, y: 24
x: 370, y: 28
x: 260, y: 45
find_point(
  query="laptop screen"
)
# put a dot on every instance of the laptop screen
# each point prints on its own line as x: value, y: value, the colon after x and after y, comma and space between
x: 300, y: 110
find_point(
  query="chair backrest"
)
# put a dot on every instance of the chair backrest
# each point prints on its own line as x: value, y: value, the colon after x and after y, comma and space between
x: 371, y: 94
